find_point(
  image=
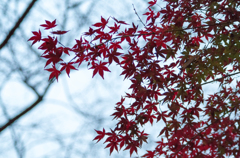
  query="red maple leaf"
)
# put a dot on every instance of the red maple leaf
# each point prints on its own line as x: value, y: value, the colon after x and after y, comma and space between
x: 100, y: 68
x: 49, y: 24
x: 100, y: 135
x: 49, y: 44
x: 90, y: 32
x: 113, y: 56
x: 149, y: 154
x: 114, y: 29
x: 53, y: 57
x: 152, y: 3
x: 196, y: 40
x: 115, y: 45
x: 101, y: 24
x: 36, y: 38
x: 68, y: 67
x: 112, y: 145
x: 132, y: 147
x: 54, y: 72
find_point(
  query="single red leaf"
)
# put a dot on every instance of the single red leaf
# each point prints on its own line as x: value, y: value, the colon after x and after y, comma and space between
x: 100, y: 68
x: 100, y: 135
x: 101, y: 24
x: 152, y: 3
x: 49, y: 24
x: 114, y: 29
x: 36, y: 38
x: 90, y: 32
x: 49, y: 44
x: 132, y: 147
x: 115, y: 45
x: 54, y: 72
x: 52, y: 58
x: 68, y: 67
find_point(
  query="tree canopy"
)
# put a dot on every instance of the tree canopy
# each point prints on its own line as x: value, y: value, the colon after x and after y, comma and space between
x: 181, y: 47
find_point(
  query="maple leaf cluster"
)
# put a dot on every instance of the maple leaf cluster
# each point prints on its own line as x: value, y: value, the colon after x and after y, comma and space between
x: 184, y: 34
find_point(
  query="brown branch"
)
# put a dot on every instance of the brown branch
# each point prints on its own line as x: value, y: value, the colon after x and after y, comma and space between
x: 10, y: 34
x: 189, y: 61
x: 218, y: 79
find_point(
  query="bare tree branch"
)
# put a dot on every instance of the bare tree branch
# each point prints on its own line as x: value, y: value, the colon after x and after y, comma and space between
x: 11, y: 121
x: 17, y: 24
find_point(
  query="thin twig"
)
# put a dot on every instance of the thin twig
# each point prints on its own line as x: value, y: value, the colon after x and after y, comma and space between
x: 138, y: 16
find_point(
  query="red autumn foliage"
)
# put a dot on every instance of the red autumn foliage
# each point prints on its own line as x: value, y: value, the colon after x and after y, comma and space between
x: 68, y: 67
x: 199, y: 37
x: 37, y: 37
x: 49, y: 25
x: 100, y: 68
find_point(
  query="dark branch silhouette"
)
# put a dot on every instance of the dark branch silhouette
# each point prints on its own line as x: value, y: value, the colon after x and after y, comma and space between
x: 11, y: 121
x: 17, y: 24
x: 40, y: 98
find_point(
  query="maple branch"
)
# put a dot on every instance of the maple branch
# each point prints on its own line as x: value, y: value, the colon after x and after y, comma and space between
x: 151, y: 33
x: 108, y: 41
x: 200, y: 26
x: 139, y: 35
x: 228, y: 75
x: 17, y: 24
x: 194, y: 58
x: 218, y: 79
